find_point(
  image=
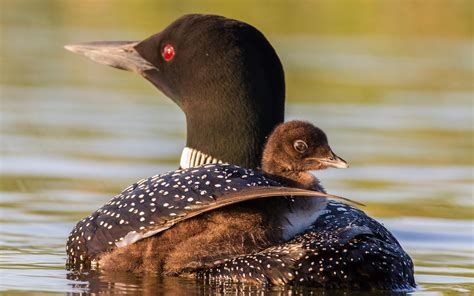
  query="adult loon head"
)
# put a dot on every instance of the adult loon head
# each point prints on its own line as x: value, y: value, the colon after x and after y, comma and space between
x: 222, y: 73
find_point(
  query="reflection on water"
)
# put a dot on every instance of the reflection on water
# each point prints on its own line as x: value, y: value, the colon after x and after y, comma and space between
x: 396, y: 104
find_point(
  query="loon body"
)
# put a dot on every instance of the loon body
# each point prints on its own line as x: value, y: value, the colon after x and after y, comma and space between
x: 153, y: 205
x: 229, y: 82
x: 343, y: 248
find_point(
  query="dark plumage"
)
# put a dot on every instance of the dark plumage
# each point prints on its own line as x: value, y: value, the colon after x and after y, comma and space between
x: 229, y: 82
x: 344, y: 248
x: 152, y: 205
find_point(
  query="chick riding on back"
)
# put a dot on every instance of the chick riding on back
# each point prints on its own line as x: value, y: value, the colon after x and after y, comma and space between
x: 135, y: 221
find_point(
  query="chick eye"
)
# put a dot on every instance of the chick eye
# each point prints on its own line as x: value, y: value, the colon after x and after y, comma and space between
x: 168, y: 52
x: 300, y: 146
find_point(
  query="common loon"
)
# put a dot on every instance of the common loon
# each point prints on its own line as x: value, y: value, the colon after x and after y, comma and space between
x: 229, y: 82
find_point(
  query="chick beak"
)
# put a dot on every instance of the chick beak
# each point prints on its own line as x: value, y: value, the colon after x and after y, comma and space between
x: 334, y: 161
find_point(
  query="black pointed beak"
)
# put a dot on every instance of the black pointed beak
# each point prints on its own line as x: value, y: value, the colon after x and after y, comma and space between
x: 334, y: 161
x: 117, y: 54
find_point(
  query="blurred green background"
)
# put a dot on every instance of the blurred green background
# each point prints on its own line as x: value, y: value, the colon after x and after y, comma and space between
x: 390, y: 81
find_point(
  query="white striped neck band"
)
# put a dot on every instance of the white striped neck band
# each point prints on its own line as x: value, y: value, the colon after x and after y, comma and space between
x: 191, y: 158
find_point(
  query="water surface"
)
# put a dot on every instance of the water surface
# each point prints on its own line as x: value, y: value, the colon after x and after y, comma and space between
x: 396, y: 104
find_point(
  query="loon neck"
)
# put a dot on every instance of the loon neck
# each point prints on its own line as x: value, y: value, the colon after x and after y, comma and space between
x: 235, y: 134
x: 192, y: 157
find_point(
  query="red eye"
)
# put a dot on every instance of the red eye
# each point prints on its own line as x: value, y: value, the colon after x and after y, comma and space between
x: 168, y: 52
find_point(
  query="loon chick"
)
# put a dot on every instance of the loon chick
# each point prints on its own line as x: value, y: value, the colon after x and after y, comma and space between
x: 300, y: 147
x: 229, y: 82
x: 157, y: 203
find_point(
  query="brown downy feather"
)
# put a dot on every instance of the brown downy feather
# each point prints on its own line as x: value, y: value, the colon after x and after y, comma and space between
x: 242, y: 228
x: 195, y: 242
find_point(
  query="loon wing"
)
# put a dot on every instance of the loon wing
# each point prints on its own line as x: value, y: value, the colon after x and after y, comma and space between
x: 153, y: 205
x: 253, y: 193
